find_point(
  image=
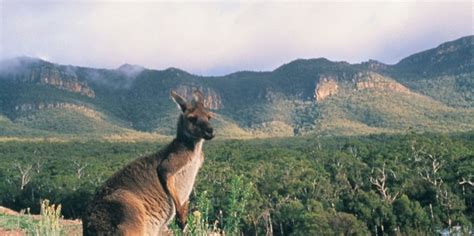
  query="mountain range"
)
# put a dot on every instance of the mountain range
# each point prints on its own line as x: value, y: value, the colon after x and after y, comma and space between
x: 429, y: 91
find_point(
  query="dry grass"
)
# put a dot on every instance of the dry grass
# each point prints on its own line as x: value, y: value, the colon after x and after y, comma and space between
x: 13, y: 223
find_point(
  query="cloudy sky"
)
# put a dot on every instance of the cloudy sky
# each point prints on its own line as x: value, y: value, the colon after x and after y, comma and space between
x: 215, y: 38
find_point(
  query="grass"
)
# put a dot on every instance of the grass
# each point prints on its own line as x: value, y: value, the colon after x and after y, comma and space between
x: 205, y: 220
x: 378, y: 112
x: 201, y: 220
x: 70, y: 121
x: 48, y: 223
x: 15, y: 222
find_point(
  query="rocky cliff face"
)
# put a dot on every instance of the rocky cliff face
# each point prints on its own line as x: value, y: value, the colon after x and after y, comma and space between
x: 327, y: 86
x: 371, y: 80
x: 61, y: 77
x: 63, y: 80
x: 212, y: 99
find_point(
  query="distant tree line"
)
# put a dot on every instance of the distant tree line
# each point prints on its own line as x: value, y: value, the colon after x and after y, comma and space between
x: 408, y: 184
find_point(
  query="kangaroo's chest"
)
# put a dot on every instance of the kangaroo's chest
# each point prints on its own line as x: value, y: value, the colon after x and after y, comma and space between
x: 186, y: 177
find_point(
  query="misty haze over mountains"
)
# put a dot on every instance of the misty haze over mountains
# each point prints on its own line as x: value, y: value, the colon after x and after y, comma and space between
x: 428, y: 91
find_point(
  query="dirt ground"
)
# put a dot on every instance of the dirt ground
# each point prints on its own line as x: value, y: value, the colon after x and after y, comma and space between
x: 11, y: 233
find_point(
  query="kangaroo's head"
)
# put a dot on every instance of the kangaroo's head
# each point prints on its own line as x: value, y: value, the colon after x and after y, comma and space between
x: 194, y: 121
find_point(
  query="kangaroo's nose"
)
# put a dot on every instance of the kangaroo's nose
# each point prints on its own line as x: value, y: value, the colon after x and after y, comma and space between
x: 209, y: 130
x: 208, y: 133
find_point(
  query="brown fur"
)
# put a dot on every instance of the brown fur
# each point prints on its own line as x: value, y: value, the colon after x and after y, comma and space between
x: 143, y: 197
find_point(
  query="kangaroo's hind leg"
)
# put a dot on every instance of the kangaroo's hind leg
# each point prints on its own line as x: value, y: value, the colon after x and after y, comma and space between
x: 132, y: 214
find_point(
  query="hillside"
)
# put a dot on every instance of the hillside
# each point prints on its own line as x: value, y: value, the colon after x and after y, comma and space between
x: 431, y: 90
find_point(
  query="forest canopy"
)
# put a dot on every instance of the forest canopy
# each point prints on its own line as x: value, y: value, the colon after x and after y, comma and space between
x: 410, y: 183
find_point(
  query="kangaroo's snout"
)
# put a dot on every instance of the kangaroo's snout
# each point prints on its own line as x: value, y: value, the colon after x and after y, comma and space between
x: 209, y: 133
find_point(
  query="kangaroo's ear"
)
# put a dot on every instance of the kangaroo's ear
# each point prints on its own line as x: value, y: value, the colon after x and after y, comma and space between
x: 180, y: 101
x: 198, y: 97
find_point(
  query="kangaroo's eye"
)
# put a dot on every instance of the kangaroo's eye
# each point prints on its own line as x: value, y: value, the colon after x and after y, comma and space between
x: 193, y: 119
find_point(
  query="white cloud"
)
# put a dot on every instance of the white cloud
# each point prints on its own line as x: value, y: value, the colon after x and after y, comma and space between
x: 216, y: 37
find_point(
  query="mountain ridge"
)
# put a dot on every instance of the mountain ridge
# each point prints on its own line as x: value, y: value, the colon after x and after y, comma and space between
x: 297, y: 98
x: 467, y: 40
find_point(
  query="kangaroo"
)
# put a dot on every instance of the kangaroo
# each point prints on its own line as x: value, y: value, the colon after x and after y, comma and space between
x: 144, y: 196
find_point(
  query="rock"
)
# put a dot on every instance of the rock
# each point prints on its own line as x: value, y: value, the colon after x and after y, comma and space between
x: 61, y: 78
x: 327, y: 86
x: 372, y: 80
x: 65, y: 81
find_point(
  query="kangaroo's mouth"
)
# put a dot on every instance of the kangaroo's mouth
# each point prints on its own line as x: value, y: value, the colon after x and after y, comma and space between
x: 208, y: 136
